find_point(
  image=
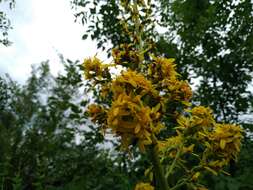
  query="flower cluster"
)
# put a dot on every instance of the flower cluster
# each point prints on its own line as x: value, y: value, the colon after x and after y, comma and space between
x: 148, y: 105
x: 139, y: 108
x: 226, y: 142
x: 214, y: 143
x: 130, y: 119
x: 126, y: 55
x: 162, y: 69
x: 131, y: 82
x: 94, y: 69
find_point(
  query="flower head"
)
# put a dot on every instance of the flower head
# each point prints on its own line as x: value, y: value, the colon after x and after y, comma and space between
x: 178, y: 90
x: 129, y: 118
x: 227, y: 140
x: 202, y: 116
x: 93, y: 68
x: 162, y: 68
x: 131, y: 82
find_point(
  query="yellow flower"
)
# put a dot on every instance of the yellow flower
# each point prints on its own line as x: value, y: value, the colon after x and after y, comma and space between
x: 131, y: 82
x: 93, y: 67
x: 128, y: 117
x: 171, y: 145
x: 162, y: 68
x: 224, y: 145
x: 144, y: 186
x: 178, y: 90
x: 227, y: 140
x: 202, y: 116
x: 98, y: 115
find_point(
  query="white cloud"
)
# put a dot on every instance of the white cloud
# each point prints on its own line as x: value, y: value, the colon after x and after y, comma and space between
x: 41, y: 29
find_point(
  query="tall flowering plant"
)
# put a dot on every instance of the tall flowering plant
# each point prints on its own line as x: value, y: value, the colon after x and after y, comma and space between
x: 148, y: 99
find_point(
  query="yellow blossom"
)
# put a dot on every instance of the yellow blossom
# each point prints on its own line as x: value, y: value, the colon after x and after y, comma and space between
x: 98, y: 115
x: 169, y: 146
x: 202, y: 116
x: 93, y: 67
x: 162, y: 68
x: 227, y: 140
x: 128, y: 117
x: 179, y: 90
x: 131, y: 81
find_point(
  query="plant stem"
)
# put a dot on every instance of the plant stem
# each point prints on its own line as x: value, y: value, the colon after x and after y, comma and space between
x: 178, y: 185
x: 174, y: 162
x: 160, y: 179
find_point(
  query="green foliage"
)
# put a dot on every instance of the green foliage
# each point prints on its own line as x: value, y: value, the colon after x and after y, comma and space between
x: 105, y: 22
x: 46, y: 141
x: 211, y: 41
x: 216, y: 41
x: 5, y: 24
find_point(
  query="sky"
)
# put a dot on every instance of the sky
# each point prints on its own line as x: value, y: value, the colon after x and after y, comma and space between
x: 41, y: 30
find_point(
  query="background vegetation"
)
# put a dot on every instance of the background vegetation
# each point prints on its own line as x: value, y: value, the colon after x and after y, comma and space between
x: 46, y: 140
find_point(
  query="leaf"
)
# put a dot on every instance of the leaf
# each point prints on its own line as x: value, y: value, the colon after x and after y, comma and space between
x: 85, y: 36
x: 211, y: 170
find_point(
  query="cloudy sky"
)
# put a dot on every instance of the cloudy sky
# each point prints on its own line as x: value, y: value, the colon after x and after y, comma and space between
x: 41, y: 30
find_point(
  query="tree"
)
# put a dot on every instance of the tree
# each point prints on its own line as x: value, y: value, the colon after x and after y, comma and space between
x: 5, y: 24
x: 211, y: 41
x: 40, y: 123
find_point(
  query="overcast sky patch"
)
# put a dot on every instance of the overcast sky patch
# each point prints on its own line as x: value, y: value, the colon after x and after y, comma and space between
x: 41, y: 30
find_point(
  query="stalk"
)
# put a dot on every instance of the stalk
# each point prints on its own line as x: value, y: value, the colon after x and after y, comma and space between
x: 160, y: 179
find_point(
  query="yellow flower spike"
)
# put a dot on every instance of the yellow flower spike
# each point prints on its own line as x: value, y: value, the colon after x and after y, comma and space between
x: 144, y: 186
x: 141, y: 103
